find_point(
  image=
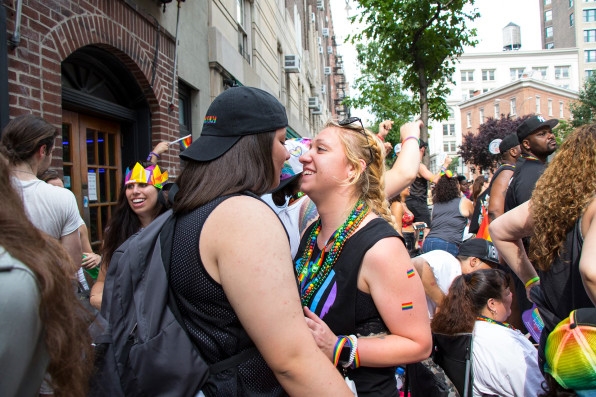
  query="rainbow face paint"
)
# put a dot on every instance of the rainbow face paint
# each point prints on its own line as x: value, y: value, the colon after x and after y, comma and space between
x: 410, y: 273
x: 407, y: 306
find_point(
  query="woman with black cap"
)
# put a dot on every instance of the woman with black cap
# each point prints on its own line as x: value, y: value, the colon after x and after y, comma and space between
x: 231, y: 269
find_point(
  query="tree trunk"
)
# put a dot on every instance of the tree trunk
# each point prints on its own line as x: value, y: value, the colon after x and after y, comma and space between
x: 424, y: 110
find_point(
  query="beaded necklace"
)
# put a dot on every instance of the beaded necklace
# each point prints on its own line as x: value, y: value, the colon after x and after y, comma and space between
x: 490, y: 320
x: 295, y: 197
x: 312, y: 273
x: 529, y: 157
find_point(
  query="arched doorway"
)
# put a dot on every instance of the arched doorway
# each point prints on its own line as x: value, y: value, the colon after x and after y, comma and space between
x: 106, y: 126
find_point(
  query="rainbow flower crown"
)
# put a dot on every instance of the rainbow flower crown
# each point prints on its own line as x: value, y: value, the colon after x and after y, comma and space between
x: 151, y: 175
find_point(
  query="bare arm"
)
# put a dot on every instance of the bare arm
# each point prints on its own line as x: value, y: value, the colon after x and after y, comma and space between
x: 405, y: 168
x: 506, y: 232
x: 466, y: 207
x: 498, y: 191
x: 160, y: 148
x: 257, y: 276
x: 429, y: 176
x: 431, y: 288
x: 91, y: 259
x: 586, y: 264
x: 397, y: 210
x: 397, y: 306
x: 72, y: 244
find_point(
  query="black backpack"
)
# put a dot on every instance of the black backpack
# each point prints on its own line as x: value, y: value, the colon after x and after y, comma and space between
x: 143, y: 348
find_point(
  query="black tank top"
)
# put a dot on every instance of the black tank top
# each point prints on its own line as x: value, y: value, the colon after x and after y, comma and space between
x: 210, y: 319
x: 419, y: 189
x: 352, y: 311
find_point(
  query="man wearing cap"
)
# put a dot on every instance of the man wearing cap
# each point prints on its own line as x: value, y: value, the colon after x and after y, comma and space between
x: 510, y: 151
x: 417, y: 201
x: 437, y: 269
x: 537, y: 142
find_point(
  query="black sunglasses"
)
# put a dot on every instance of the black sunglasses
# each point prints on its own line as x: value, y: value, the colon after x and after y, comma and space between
x: 351, y: 120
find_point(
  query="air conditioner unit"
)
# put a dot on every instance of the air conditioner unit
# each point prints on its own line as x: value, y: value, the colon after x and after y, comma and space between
x: 319, y: 40
x: 327, y: 70
x: 313, y: 18
x: 292, y: 64
x: 339, y: 71
x: 324, y: 89
x: 325, y: 32
x: 321, y: 4
x: 317, y: 110
x: 329, y: 49
x: 320, y: 49
x: 313, y: 102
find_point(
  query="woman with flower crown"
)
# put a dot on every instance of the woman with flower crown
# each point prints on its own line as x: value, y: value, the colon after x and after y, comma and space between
x: 364, y: 302
x: 137, y: 207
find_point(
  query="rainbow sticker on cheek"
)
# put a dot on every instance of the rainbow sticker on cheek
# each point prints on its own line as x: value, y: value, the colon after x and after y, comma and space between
x: 407, y: 306
x: 410, y: 273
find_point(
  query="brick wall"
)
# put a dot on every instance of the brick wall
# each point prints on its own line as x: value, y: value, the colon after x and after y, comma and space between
x: 51, y: 30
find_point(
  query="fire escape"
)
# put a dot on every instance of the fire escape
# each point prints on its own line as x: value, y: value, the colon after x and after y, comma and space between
x: 339, y: 80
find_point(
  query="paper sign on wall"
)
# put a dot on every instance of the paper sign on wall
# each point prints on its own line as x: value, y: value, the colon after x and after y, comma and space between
x: 92, y: 186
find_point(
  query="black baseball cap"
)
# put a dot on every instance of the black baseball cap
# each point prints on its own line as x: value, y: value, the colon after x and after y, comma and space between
x: 530, y: 125
x: 510, y: 141
x: 481, y: 249
x: 234, y: 113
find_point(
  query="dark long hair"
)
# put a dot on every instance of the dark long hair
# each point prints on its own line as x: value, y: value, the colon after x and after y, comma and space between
x: 467, y: 296
x: 248, y: 165
x: 446, y: 189
x: 24, y: 135
x: 65, y: 330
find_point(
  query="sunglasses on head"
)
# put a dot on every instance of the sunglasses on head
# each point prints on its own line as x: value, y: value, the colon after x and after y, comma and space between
x: 352, y: 120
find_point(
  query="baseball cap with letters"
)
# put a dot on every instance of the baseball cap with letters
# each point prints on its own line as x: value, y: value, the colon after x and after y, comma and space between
x: 481, y: 249
x: 234, y: 113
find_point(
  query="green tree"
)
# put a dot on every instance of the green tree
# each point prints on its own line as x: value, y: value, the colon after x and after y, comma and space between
x: 407, y: 52
x: 584, y: 109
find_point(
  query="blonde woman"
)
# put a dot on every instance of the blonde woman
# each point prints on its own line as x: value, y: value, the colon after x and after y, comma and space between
x: 365, y: 304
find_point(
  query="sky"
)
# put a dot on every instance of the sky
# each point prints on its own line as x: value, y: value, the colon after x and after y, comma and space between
x: 494, y: 16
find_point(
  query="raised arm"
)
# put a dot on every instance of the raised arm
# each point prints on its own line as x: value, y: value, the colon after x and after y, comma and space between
x: 256, y: 273
x: 429, y: 176
x: 506, y: 232
x: 405, y: 168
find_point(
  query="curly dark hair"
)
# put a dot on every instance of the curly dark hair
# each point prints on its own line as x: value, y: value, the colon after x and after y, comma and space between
x: 558, y: 202
x: 446, y: 189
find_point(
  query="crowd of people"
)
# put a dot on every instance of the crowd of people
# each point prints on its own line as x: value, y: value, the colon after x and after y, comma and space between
x: 304, y: 264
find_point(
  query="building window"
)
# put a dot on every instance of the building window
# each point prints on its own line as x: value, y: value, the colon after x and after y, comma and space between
x: 590, y: 55
x: 513, y: 106
x: 548, y: 32
x: 589, y: 15
x: 561, y: 109
x: 449, y: 146
x: 467, y: 75
x: 184, y: 109
x: 485, y: 90
x: 589, y: 73
x: 550, y: 46
x: 516, y: 73
x: 472, y: 93
x: 542, y: 70
x: 497, y: 111
x: 537, y: 104
x: 562, y: 72
x: 449, y: 129
x: 571, y: 19
x: 469, y: 119
x: 242, y: 11
x: 550, y: 107
x: 547, y: 2
x: 570, y: 3
x: 481, y: 115
x: 488, y: 74
x: 548, y: 15
x: 451, y: 113
x: 589, y: 35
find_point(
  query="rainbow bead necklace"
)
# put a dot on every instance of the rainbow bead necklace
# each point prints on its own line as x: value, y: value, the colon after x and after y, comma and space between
x: 490, y: 320
x: 312, y: 273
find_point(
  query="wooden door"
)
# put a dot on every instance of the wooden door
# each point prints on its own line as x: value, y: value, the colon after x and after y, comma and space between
x: 92, y: 168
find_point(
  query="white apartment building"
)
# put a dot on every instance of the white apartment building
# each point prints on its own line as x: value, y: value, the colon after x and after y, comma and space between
x: 478, y: 73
